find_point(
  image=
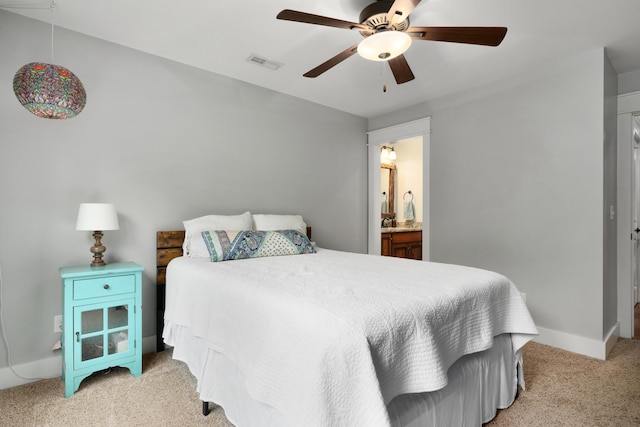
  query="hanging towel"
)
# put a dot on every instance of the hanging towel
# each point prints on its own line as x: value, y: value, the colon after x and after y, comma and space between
x: 409, y: 215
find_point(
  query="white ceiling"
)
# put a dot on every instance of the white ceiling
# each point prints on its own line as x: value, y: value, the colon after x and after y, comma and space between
x: 220, y: 36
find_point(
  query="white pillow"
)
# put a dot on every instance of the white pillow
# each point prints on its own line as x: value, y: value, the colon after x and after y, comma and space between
x: 194, y: 246
x: 262, y: 222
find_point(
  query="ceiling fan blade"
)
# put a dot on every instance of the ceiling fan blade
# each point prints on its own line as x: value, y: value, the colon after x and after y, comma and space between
x: 332, y: 62
x: 308, y: 18
x: 401, y: 70
x: 400, y: 10
x: 487, y: 36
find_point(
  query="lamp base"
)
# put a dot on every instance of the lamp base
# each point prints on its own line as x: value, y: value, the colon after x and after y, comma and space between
x: 97, y: 250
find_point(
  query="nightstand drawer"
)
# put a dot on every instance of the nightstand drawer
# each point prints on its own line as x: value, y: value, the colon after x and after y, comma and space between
x: 104, y: 286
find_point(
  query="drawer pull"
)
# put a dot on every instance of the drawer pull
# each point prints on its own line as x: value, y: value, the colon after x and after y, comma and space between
x: 106, y: 286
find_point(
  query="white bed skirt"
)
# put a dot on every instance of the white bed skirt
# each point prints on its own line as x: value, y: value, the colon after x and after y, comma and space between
x: 479, y: 384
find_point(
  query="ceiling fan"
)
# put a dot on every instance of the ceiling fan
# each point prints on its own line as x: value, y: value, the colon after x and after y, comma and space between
x: 385, y: 27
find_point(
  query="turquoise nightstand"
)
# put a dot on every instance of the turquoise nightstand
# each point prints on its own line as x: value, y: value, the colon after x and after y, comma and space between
x: 102, y: 320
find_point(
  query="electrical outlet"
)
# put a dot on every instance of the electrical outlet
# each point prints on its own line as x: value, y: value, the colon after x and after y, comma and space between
x: 57, y: 323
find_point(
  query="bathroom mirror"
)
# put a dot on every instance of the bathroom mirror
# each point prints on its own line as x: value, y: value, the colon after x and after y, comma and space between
x: 387, y: 184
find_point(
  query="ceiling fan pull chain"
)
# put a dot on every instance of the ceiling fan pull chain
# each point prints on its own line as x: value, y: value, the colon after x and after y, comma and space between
x: 53, y: 24
x: 384, y: 85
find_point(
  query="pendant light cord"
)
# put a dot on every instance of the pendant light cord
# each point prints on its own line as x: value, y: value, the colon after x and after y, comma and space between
x: 51, y: 7
x: 53, y: 25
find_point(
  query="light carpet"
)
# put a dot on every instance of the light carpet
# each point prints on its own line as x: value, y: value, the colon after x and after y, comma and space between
x: 563, y: 389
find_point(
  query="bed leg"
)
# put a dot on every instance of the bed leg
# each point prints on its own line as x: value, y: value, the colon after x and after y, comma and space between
x: 205, y: 408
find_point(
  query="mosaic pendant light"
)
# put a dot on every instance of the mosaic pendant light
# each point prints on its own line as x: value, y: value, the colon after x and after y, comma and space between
x: 49, y: 91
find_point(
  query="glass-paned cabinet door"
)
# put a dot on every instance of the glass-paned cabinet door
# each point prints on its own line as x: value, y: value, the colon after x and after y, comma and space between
x: 103, y: 330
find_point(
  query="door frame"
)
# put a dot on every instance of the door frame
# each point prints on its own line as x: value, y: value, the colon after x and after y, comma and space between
x: 377, y: 138
x: 628, y: 107
x: 635, y: 215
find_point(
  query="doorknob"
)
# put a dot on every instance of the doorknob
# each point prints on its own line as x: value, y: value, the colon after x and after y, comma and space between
x: 637, y: 230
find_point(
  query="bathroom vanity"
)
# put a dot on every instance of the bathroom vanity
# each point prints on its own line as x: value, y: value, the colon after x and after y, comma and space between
x: 401, y: 242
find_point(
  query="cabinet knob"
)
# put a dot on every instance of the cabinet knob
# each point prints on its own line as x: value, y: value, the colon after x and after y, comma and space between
x: 106, y: 286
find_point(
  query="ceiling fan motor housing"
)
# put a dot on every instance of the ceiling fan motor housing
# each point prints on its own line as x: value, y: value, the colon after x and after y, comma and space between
x: 375, y: 17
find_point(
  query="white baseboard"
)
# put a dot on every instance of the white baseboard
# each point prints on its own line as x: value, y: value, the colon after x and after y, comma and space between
x: 50, y: 367
x: 577, y: 344
x: 612, y: 338
x: 32, y: 371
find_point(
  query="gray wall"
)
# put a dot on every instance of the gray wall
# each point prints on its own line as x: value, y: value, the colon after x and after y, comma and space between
x: 164, y: 142
x: 629, y: 82
x: 517, y: 184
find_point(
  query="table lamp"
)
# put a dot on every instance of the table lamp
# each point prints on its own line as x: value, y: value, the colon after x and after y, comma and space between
x: 97, y: 217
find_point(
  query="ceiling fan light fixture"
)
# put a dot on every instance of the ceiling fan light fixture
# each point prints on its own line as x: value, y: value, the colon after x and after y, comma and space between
x: 384, y: 45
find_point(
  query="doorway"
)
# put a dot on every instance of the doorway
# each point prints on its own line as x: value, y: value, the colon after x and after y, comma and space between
x: 628, y: 246
x: 420, y: 128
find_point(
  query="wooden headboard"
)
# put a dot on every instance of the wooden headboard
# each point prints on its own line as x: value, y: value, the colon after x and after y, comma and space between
x: 168, y: 247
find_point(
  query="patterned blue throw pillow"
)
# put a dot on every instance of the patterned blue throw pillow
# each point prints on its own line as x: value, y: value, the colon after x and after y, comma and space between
x: 231, y: 245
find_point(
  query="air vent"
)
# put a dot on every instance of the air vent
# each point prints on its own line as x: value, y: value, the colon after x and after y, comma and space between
x: 263, y: 62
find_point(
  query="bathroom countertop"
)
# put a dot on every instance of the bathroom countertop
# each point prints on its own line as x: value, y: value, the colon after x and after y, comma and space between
x: 400, y: 229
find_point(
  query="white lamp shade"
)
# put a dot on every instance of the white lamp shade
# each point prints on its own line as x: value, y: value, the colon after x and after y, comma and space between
x: 97, y: 217
x: 384, y: 46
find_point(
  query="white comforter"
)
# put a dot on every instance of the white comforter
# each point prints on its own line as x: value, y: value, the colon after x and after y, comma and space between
x: 331, y: 338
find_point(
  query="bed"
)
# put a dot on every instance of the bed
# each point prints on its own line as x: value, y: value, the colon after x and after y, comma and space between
x: 342, y: 339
